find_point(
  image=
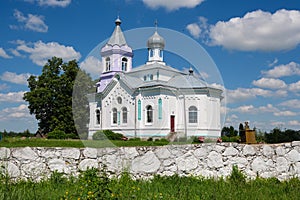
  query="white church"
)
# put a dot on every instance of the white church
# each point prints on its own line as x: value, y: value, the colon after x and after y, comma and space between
x: 151, y: 100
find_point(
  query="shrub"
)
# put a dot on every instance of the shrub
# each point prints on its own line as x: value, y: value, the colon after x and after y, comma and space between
x: 56, y: 134
x: 72, y: 136
x: 231, y: 139
x: 99, y: 135
x: 150, y: 139
x: 112, y: 135
x: 135, y: 139
x: 163, y: 140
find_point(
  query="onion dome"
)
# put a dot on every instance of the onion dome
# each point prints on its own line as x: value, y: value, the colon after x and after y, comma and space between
x: 156, y: 41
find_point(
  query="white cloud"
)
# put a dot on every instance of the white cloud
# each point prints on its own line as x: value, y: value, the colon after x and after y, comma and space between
x: 20, y: 111
x: 273, y: 63
x: 171, y: 5
x: 283, y: 70
x: 15, y: 78
x: 194, y: 30
x: 40, y: 52
x: 3, y: 54
x: 294, y: 87
x: 242, y: 94
x: 30, y: 22
x: 258, y: 30
x: 93, y: 66
x: 15, y: 53
x: 285, y: 113
x: 245, y: 109
x: 12, y: 97
x: 270, y: 83
x: 293, y: 103
x: 53, y: 3
x: 294, y: 123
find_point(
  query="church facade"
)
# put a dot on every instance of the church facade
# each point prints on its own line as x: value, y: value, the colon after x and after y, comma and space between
x: 151, y: 100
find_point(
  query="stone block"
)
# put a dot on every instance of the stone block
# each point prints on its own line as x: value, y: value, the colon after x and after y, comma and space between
x: 25, y: 153
x: 72, y: 153
x: 147, y: 163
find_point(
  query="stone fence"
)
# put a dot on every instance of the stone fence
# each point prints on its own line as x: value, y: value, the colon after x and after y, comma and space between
x: 207, y: 160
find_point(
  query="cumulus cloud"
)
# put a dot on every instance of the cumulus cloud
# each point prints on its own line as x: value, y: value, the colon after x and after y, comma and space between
x: 12, y: 97
x: 258, y: 30
x: 3, y: 53
x: 15, y: 78
x: 20, y: 111
x: 93, y: 66
x: 289, y: 69
x: 242, y: 94
x: 52, y: 3
x: 285, y: 113
x: 292, y: 103
x: 194, y: 30
x: 171, y: 5
x: 30, y: 22
x: 295, y: 87
x: 270, y: 83
x: 294, y: 123
x: 40, y: 52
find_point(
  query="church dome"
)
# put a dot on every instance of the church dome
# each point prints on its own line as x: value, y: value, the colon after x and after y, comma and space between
x: 156, y: 41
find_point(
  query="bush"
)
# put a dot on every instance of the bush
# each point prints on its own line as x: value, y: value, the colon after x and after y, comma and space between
x: 231, y: 139
x: 56, y: 134
x: 135, y: 139
x: 107, y: 134
x: 150, y: 139
x: 112, y: 135
x: 99, y: 135
x: 72, y: 136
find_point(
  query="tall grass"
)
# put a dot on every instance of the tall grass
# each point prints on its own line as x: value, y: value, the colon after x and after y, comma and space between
x: 93, y: 184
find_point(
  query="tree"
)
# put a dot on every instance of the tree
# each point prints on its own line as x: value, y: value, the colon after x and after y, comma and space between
x: 50, y: 95
x: 229, y: 131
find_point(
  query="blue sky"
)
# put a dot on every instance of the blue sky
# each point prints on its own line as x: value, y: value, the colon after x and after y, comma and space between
x: 255, y: 45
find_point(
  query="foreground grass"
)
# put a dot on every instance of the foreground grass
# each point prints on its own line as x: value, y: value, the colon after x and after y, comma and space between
x: 37, y: 142
x: 94, y: 185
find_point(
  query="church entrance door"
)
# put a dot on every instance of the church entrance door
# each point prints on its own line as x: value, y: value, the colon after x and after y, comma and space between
x: 172, y: 123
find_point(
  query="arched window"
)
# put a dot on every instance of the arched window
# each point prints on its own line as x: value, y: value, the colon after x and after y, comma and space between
x: 149, y: 114
x: 192, y: 114
x: 151, y: 77
x: 114, y: 116
x: 124, y: 64
x: 97, y: 116
x: 145, y: 78
x: 139, y: 110
x: 107, y: 64
x: 124, y: 115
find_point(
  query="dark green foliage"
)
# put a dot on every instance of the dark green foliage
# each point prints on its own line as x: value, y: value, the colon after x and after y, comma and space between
x: 135, y: 139
x: 231, y: 139
x: 107, y: 134
x: 57, y: 134
x: 50, y: 96
x: 236, y: 176
x: 150, y: 139
x: 279, y: 136
x: 229, y: 131
x: 99, y: 135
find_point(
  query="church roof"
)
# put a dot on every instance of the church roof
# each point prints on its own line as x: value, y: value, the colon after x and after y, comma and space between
x: 117, y: 38
x: 155, y: 66
x: 156, y: 41
x: 186, y: 81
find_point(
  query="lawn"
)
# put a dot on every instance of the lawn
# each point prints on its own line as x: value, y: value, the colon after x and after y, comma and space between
x: 37, y: 142
x: 94, y: 185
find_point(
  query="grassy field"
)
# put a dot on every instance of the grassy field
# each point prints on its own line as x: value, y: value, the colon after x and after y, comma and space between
x: 36, y: 142
x: 94, y: 185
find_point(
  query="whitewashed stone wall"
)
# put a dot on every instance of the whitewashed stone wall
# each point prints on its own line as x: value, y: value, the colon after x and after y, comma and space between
x: 208, y: 160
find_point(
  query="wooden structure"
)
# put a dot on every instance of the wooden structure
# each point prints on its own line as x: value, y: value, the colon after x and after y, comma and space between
x: 247, y: 135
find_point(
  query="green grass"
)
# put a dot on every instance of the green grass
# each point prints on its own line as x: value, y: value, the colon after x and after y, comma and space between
x: 95, y: 185
x: 36, y: 142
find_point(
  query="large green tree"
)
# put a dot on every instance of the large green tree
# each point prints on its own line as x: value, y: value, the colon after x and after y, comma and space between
x: 50, y: 96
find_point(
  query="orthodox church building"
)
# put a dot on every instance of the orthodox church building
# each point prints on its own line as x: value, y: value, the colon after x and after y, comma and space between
x: 151, y: 100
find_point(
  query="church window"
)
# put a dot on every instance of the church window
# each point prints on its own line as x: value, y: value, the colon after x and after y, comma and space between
x: 119, y: 100
x: 149, y: 114
x: 151, y: 77
x: 124, y: 64
x: 159, y: 108
x: 193, y: 114
x: 114, y: 116
x: 97, y: 116
x: 139, y: 110
x: 107, y: 64
x: 124, y: 115
x: 145, y: 78
x: 157, y: 74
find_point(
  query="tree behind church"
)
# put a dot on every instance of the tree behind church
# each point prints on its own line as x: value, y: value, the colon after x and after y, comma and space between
x: 50, y: 96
